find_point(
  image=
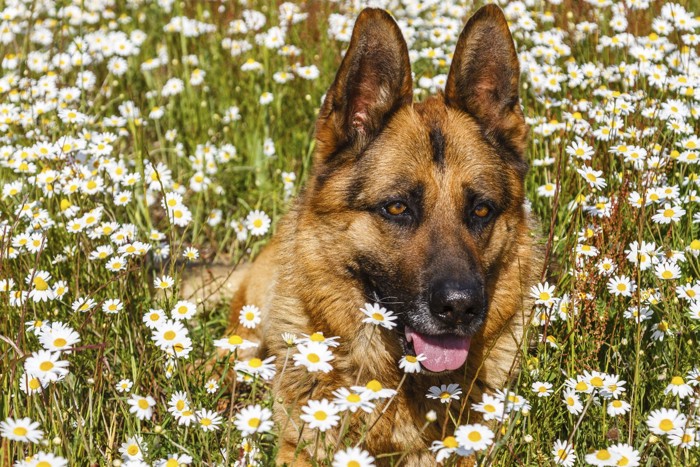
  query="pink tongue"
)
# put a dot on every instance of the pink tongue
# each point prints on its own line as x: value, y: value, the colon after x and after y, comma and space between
x: 445, y: 352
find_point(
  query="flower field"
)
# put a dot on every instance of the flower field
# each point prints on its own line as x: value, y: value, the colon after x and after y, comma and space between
x: 142, y: 140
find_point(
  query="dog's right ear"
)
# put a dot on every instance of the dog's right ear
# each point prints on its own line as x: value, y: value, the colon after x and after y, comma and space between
x: 373, y: 81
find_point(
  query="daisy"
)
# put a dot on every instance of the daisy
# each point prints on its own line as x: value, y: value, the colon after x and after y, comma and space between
x: 46, y: 459
x: 474, y: 437
x: 542, y: 389
x: 164, y: 282
x: 353, y: 457
x: 133, y: 448
x: 183, y: 310
x: 234, y: 342
x: 154, y: 318
x: 320, y: 414
x: 211, y: 386
x: 23, y: 429
x: 250, y: 316
x: 112, y: 306
x: 626, y: 455
x: 621, y: 285
x: 664, y: 421
x: 492, y: 408
x: 374, y: 390
x: 208, y: 420
x: 41, y: 290
x: 445, y: 393
x: 191, y: 253
x: 512, y: 401
x: 258, y: 223
x: 617, y: 407
x: 116, y: 264
x: 348, y: 400
x: 592, y: 177
x: 378, y: 315
x: 572, y: 401
x: 255, y: 366
x: 563, y: 453
x: 167, y: 334
x: 174, y: 460
x: 601, y: 457
x: 668, y: 214
x: 254, y: 419
x: 124, y: 385
x: 694, y: 311
x: 31, y: 384
x: 685, y: 438
x: 58, y: 337
x: 141, y: 406
x: 318, y: 337
x: 411, y: 363
x: 314, y: 356
x: 46, y: 366
x: 678, y: 387
x: 444, y: 449
x: 543, y: 294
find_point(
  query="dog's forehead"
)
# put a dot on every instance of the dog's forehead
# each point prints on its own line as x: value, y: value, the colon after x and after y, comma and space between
x: 430, y: 143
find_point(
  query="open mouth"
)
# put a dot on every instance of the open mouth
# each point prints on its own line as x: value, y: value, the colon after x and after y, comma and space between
x: 444, y: 352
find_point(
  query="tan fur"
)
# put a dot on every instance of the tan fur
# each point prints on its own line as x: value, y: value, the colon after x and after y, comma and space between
x: 306, y: 281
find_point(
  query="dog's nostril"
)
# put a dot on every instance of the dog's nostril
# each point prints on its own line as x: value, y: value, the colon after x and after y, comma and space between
x: 454, y: 301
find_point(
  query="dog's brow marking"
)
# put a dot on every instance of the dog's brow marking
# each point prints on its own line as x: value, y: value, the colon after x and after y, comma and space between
x: 437, y: 140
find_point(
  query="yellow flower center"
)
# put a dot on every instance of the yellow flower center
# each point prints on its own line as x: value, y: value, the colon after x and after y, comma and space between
x: 317, y: 337
x: 353, y: 464
x: 43, y: 464
x: 668, y: 212
x: 677, y: 381
x: 354, y: 398
x: 603, y: 455
x: 254, y: 422
x: 666, y: 425
x: 205, y: 422
x: 182, y: 310
x: 320, y: 415
x: 169, y: 335
x: 235, y: 340
x: 257, y: 223
x: 255, y: 363
x: 378, y: 316
x: 143, y: 404
x: 20, y: 431
x: 450, y: 442
x: 171, y: 463
x: 597, y: 381
x: 46, y: 366
x: 60, y: 342
x: 474, y: 436
x: 313, y: 358
x: 250, y: 316
x: 132, y: 450
x: 180, y: 404
x: 374, y: 385
x: 411, y: 358
x: 623, y: 461
x: 34, y: 384
x: 544, y: 296
x: 581, y: 386
x: 40, y: 284
x: 617, y: 404
x: 667, y: 274
x: 489, y: 408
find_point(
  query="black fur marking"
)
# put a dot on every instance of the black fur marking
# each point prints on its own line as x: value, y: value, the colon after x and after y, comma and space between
x: 437, y: 141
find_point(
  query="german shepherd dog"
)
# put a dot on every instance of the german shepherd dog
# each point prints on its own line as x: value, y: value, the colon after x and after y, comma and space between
x: 419, y: 207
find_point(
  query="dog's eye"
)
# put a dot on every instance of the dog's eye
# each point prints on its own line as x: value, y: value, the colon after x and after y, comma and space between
x: 396, y: 208
x: 482, y: 211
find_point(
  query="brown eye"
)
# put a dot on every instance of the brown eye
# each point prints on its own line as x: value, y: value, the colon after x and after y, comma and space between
x: 396, y: 208
x: 482, y: 211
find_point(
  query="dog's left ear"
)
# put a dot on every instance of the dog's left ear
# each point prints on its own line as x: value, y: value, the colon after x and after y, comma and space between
x: 484, y: 79
x: 372, y: 82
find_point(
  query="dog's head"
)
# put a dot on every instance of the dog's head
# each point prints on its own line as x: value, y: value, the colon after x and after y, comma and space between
x: 422, y: 203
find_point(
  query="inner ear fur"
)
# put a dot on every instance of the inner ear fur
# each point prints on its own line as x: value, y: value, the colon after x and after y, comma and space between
x: 373, y: 81
x: 484, y: 79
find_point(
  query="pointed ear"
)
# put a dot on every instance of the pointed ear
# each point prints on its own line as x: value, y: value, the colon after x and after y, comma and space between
x: 373, y: 81
x: 484, y: 79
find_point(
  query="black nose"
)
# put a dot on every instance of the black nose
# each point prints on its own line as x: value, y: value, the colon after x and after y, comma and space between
x: 456, y: 302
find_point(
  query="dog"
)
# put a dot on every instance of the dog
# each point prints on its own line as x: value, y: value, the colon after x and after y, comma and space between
x: 419, y: 207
